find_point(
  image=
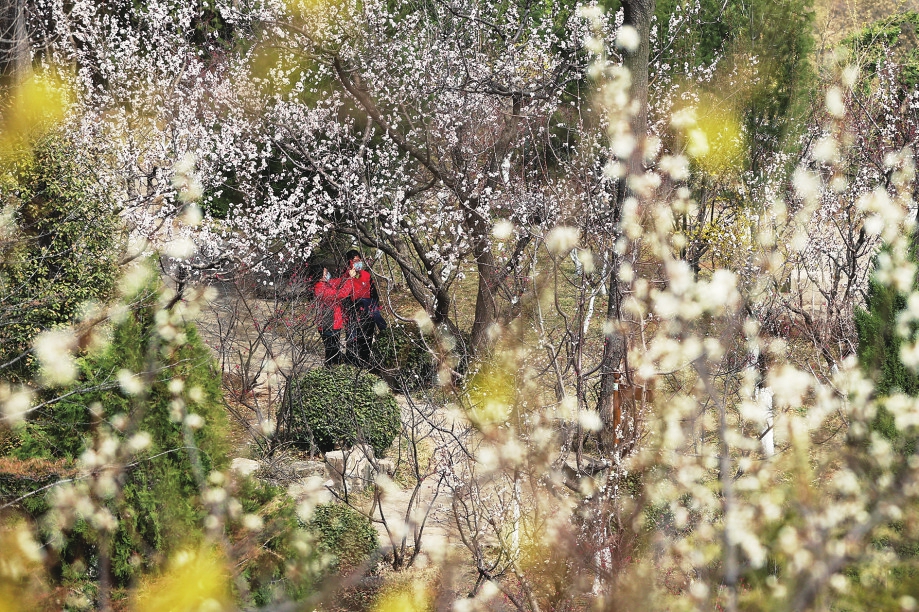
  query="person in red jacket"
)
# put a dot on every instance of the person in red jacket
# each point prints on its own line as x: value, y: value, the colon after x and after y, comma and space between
x: 360, y: 311
x: 330, y: 316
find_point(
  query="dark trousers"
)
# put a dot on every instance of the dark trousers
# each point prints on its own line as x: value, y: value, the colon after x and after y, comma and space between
x: 360, y: 341
x: 330, y: 339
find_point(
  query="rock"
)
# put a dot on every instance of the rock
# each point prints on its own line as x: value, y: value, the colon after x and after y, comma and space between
x: 387, y: 466
x: 309, y: 492
x: 305, y: 469
x: 352, y: 469
x: 244, y: 467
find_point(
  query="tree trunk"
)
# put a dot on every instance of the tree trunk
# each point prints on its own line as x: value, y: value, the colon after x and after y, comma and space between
x: 15, y: 54
x: 637, y: 14
x: 486, y: 306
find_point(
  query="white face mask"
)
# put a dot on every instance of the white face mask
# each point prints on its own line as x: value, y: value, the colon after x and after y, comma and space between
x: 327, y: 277
x: 358, y: 266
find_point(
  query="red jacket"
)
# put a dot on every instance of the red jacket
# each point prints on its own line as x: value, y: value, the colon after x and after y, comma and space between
x: 360, y: 285
x: 328, y: 302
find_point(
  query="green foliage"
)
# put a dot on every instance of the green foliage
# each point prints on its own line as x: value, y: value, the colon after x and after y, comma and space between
x: 60, y: 248
x: 344, y: 534
x: 267, y: 568
x: 879, y: 341
x: 880, y: 585
x: 879, y: 344
x: 706, y: 38
x: 400, y: 350
x: 159, y: 507
x: 341, y: 407
x: 896, y: 35
x: 778, y: 33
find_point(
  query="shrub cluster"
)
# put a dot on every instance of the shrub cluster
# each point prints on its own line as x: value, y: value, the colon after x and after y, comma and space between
x: 338, y: 408
x: 283, y: 542
x: 343, y: 534
x: 410, y: 360
x: 159, y: 507
x: 62, y: 252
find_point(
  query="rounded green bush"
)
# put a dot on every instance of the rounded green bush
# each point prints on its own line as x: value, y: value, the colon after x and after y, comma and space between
x: 343, y: 533
x: 340, y: 407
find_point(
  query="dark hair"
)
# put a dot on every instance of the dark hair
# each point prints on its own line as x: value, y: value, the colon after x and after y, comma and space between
x: 351, y: 255
x: 314, y: 271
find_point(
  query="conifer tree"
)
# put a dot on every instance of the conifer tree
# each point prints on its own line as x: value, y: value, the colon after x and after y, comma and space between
x: 879, y: 343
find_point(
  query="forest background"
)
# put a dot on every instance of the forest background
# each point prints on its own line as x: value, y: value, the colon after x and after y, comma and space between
x: 650, y: 269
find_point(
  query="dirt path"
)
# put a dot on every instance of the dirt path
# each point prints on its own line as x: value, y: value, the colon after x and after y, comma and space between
x: 438, y: 535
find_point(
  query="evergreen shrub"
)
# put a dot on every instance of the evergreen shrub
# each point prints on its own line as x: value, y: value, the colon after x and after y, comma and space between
x: 159, y: 508
x: 339, y: 407
x: 344, y: 534
x: 401, y: 352
x: 889, y: 39
x: 61, y: 251
x: 879, y: 344
x: 283, y: 542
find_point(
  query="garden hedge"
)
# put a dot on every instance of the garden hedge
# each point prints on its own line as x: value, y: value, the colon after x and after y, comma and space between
x: 329, y: 408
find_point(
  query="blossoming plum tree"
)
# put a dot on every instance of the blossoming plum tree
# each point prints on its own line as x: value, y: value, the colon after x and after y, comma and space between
x: 456, y: 138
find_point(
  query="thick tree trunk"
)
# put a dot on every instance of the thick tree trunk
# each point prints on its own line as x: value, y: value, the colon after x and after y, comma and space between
x: 486, y: 305
x: 637, y: 14
x: 15, y: 55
